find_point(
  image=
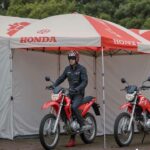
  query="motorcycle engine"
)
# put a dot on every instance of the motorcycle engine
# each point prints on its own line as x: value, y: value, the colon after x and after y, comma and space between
x: 75, y: 125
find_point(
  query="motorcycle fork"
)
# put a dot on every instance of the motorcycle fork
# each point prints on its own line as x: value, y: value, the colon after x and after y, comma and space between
x: 51, y: 111
x: 132, y: 114
x: 58, y: 115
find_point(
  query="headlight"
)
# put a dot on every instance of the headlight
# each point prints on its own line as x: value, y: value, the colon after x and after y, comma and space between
x: 55, y: 97
x: 130, y: 97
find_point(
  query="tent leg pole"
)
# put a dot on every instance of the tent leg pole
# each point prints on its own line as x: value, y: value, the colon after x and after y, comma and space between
x: 103, y: 89
x: 59, y: 55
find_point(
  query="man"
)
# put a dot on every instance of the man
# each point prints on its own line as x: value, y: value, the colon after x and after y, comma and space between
x: 78, y: 80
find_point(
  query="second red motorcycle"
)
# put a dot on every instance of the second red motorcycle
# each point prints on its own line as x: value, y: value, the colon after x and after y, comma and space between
x: 137, y: 113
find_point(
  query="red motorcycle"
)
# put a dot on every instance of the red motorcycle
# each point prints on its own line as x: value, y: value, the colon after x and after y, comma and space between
x: 60, y: 109
x: 137, y: 113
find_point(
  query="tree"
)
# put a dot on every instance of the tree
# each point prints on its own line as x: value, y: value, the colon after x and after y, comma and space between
x: 41, y: 8
x: 129, y: 13
x: 146, y: 24
x: 4, y: 4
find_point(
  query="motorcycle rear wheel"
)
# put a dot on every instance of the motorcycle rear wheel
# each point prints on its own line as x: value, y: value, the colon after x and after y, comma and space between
x: 88, y: 136
x: 122, y: 136
x: 49, y: 139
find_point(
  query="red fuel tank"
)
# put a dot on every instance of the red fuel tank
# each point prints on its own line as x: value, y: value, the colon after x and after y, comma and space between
x: 144, y: 103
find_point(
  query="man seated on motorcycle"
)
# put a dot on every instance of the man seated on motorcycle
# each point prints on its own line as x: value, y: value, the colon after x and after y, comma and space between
x: 78, y: 80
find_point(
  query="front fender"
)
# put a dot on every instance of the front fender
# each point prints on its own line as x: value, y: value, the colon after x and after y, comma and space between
x: 53, y: 104
x: 126, y: 105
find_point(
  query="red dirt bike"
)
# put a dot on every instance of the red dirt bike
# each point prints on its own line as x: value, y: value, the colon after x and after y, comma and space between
x: 137, y: 113
x: 60, y: 105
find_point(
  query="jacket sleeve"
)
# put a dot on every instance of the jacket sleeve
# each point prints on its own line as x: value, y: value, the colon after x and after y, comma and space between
x: 61, y: 78
x: 84, y: 80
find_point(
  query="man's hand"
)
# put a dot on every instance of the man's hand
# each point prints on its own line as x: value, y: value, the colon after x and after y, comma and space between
x: 73, y: 91
x: 50, y: 87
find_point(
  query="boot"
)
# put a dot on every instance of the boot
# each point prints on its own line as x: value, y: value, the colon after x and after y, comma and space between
x: 71, y: 143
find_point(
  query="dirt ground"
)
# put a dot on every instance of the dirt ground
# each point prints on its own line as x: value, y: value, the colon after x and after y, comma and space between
x: 34, y: 144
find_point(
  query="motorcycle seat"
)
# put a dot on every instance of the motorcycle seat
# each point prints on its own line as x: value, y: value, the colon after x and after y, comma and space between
x: 87, y: 99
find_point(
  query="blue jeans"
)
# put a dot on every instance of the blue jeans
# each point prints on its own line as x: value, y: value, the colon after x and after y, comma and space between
x: 76, y: 102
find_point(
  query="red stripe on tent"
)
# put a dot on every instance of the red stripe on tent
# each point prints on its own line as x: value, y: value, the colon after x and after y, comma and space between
x: 64, y: 48
x: 113, y: 37
x: 146, y: 35
x: 143, y: 33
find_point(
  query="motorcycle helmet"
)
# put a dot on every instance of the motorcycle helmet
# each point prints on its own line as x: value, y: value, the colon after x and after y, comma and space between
x: 73, y: 55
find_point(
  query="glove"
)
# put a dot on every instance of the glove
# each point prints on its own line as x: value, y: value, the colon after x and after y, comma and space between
x: 73, y: 91
x: 47, y: 78
x: 50, y: 87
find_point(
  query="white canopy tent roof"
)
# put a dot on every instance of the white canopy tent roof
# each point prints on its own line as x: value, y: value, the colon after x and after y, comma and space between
x: 79, y: 32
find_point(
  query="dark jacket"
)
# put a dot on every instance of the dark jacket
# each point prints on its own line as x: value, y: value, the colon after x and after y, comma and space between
x: 77, y: 78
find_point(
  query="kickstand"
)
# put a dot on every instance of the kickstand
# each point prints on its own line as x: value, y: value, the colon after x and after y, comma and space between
x: 143, y: 137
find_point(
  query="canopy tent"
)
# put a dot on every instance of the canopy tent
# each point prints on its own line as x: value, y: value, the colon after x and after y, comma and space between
x: 9, y: 26
x: 59, y: 33
x: 79, y: 32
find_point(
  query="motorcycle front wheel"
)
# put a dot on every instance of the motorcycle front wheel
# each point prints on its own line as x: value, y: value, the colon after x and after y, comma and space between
x: 48, y: 138
x: 122, y: 136
x: 88, y: 136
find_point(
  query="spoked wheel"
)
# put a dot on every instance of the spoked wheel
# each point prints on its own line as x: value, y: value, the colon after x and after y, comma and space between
x: 48, y: 138
x: 88, y: 136
x: 122, y: 136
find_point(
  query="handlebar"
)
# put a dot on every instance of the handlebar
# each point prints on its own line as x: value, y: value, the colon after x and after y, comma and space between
x: 144, y: 87
x: 64, y: 90
x: 139, y: 89
x: 124, y: 89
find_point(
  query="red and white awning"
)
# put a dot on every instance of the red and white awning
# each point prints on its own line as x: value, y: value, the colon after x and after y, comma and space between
x: 79, y: 32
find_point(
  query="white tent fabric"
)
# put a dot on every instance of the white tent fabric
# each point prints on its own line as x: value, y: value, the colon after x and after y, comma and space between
x: 70, y: 30
x: 8, y: 27
x: 29, y: 70
x: 29, y: 91
x: 78, y: 31
x: 11, y: 25
x: 6, y: 110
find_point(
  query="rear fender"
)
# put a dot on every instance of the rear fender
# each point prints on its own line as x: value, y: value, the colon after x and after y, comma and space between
x: 53, y: 104
x: 85, y: 107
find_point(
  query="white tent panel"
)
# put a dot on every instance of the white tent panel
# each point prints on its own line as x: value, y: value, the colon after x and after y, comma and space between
x: 134, y: 68
x: 6, y: 123
x: 30, y: 68
x: 29, y: 71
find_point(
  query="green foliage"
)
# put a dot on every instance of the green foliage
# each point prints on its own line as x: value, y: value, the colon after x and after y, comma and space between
x: 129, y: 13
x: 4, y: 4
x: 40, y: 8
x: 133, y: 13
x: 146, y: 24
